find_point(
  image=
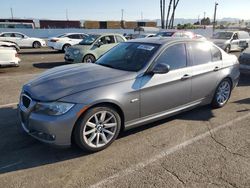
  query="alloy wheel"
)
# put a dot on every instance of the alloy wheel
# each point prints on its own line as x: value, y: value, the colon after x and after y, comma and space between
x: 223, y: 92
x: 100, y: 129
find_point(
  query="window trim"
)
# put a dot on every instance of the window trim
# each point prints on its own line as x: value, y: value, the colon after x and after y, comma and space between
x: 212, y: 53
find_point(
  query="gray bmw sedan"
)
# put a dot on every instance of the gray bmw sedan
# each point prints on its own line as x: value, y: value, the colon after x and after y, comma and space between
x: 135, y: 83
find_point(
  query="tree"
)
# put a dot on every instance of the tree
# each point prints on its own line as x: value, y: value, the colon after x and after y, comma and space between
x: 171, y: 23
x: 205, y: 21
x: 169, y: 9
x: 162, y: 7
x: 172, y: 5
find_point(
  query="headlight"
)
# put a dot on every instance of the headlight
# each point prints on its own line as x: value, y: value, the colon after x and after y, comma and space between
x: 76, y: 52
x: 53, y: 108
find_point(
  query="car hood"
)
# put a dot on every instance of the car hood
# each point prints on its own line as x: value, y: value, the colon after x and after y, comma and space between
x: 82, y: 48
x: 70, y: 79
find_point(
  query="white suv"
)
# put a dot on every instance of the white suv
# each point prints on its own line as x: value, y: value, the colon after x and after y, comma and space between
x: 62, y: 42
x: 22, y: 40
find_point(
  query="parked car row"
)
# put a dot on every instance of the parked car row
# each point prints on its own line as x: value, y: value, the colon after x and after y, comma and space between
x: 22, y: 40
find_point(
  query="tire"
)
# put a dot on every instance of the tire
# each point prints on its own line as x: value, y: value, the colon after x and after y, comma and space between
x: 36, y: 44
x: 228, y: 49
x: 92, y: 133
x: 89, y: 59
x: 222, y: 93
x: 65, y: 46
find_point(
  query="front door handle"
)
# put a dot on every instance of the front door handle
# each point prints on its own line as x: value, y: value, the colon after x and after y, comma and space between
x: 216, y: 69
x: 186, y: 76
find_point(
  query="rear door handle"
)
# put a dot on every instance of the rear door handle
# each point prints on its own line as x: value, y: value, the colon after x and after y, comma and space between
x: 186, y: 76
x: 216, y: 69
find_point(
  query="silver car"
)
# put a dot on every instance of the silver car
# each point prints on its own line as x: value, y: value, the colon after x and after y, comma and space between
x: 231, y: 40
x: 135, y: 83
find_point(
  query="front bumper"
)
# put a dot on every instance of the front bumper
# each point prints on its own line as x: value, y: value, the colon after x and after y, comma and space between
x: 70, y: 58
x: 55, y: 130
x: 55, y: 45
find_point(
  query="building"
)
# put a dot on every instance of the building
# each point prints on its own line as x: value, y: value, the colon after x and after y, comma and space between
x: 117, y: 24
x: 59, y: 24
x: 17, y: 23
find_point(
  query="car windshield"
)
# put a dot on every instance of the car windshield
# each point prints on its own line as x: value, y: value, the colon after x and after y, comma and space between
x: 223, y: 35
x: 128, y: 56
x: 164, y: 34
x: 89, y: 40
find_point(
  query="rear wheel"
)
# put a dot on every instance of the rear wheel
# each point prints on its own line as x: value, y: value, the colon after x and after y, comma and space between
x: 222, y: 93
x: 89, y: 59
x: 98, y: 128
x: 36, y: 44
x: 65, y: 47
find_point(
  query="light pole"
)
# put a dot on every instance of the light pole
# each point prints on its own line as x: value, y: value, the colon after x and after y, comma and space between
x: 215, y: 11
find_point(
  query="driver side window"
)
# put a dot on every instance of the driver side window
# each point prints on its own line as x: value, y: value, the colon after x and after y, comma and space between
x: 235, y: 36
x: 174, y: 56
x: 107, y: 40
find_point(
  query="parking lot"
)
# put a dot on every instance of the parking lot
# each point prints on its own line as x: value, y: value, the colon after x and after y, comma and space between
x: 201, y: 148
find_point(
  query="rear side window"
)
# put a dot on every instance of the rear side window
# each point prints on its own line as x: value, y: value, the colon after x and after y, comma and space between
x: 174, y: 56
x: 216, y: 54
x: 119, y: 39
x: 201, y: 53
x: 74, y: 36
x: 243, y: 35
x: 17, y: 35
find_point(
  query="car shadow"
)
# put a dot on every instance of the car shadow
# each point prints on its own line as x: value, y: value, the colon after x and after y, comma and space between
x: 39, y: 52
x: 20, y: 151
x: 244, y: 80
x: 48, y: 65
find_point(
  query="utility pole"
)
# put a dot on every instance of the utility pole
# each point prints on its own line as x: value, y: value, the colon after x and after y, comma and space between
x: 11, y: 12
x: 215, y: 11
x: 122, y: 14
x: 67, y: 15
x: 141, y: 16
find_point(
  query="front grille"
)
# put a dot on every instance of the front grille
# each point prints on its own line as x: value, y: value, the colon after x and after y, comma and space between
x: 26, y: 101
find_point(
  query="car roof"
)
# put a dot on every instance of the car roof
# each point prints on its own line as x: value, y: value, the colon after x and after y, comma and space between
x: 74, y: 34
x: 163, y: 40
x: 12, y: 32
x: 102, y: 34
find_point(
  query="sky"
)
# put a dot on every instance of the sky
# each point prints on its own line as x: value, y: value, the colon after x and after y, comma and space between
x: 111, y: 9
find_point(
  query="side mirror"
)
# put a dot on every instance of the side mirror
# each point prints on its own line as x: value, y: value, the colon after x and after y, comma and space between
x: 161, y: 69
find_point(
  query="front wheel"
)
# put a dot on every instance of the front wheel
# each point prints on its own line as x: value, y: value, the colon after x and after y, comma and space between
x: 89, y: 59
x: 97, y: 129
x: 228, y: 49
x: 222, y: 93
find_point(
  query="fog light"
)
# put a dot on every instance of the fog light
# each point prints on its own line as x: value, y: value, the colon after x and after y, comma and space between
x: 44, y: 136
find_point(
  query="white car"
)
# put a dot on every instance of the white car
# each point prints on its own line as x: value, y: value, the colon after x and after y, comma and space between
x: 8, y: 56
x: 22, y: 40
x: 10, y: 45
x: 62, y: 42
